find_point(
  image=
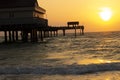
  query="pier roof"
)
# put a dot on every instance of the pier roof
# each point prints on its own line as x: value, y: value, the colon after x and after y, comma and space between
x: 16, y: 7
x: 17, y: 3
x: 7, y: 4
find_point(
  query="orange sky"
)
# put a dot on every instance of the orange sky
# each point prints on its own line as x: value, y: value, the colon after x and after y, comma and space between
x: 59, y: 12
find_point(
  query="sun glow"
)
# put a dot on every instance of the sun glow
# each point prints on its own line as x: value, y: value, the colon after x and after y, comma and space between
x: 105, y: 14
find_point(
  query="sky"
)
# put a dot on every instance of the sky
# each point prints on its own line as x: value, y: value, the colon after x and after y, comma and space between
x: 87, y: 12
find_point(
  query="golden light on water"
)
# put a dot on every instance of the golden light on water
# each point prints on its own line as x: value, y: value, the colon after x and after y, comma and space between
x: 105, y: 13
x: 95, y: 61
x: 107, y: 79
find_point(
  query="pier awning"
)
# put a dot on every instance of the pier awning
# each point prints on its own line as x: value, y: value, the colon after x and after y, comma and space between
x: 19, y: 4
x: 40, y: 21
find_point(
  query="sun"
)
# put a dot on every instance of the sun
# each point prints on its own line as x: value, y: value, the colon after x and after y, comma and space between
x: 105, y: 14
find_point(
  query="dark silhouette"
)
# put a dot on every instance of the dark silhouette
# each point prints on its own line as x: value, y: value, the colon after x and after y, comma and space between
x: 73, y: 24
x: 82, y: 28
x: 26, y: 17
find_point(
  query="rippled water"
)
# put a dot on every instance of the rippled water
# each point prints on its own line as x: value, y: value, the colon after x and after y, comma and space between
x: 88, y: 57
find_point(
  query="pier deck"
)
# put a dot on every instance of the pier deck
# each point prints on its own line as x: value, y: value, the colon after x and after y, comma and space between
x: 11, y: 32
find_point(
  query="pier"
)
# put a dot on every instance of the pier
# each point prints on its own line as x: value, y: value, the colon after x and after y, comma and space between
x: 33, y: 33
x: 25, y: 22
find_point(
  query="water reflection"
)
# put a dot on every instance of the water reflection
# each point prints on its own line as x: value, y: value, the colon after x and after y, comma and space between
x: 107, y: 79
x: 96, y: 61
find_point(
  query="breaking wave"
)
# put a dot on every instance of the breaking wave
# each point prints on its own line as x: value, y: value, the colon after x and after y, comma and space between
x: 62, y: 70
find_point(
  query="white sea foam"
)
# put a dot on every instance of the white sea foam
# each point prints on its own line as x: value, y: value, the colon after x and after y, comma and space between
x: 62, y: 70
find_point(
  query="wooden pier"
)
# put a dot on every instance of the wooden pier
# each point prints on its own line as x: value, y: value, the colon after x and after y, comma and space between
x: 23, y: 20
x: 25, y: 33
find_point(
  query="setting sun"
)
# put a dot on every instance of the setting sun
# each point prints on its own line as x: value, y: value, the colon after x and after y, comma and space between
x: 95, y: 15
x: 105, y: 14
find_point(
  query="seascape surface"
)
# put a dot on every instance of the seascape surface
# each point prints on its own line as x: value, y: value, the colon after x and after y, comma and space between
x: 94, y: 56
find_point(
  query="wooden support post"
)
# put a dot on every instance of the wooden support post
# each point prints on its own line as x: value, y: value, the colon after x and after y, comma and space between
x: 56, y: 32
x: 63, y: 32
x: 48, y: 33
x: 75, y: 32
x: 25, y: 36
x: 16, y: 35
x: 51, y: 33
x: 82, y: 27
x: 36, y: 35
x: 13, y: 36
x: 41, y: 35
x: 10, y: 36
x: 44, y: 33
x: 31, y: 36
x: 80, y: 31
x: 5, y: 32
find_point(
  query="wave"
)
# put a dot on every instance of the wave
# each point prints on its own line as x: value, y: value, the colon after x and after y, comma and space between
x: 62, y: 70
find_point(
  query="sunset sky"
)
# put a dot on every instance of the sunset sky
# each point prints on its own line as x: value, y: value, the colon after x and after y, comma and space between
x: 90, y: 13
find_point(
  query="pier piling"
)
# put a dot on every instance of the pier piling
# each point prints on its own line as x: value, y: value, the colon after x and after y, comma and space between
x: 5, y: 34
x: 35, y: 32
x: 63, y: 32
x: 16, y: 35
x: 10, y: 36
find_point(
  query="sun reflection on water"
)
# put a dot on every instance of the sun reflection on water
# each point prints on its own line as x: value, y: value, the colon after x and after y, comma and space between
x: 95, y: 61
x: 107, y: 79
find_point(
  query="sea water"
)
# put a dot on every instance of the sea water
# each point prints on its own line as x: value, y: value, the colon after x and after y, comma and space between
x: 94, y: 56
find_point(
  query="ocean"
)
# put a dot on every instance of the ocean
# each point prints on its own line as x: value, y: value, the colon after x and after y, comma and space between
x: 94, y: 56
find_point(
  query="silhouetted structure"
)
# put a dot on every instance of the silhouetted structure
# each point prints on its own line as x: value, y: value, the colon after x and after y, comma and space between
x: 27, y: 18
x: 73, y: 24
x: 21, y: 15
